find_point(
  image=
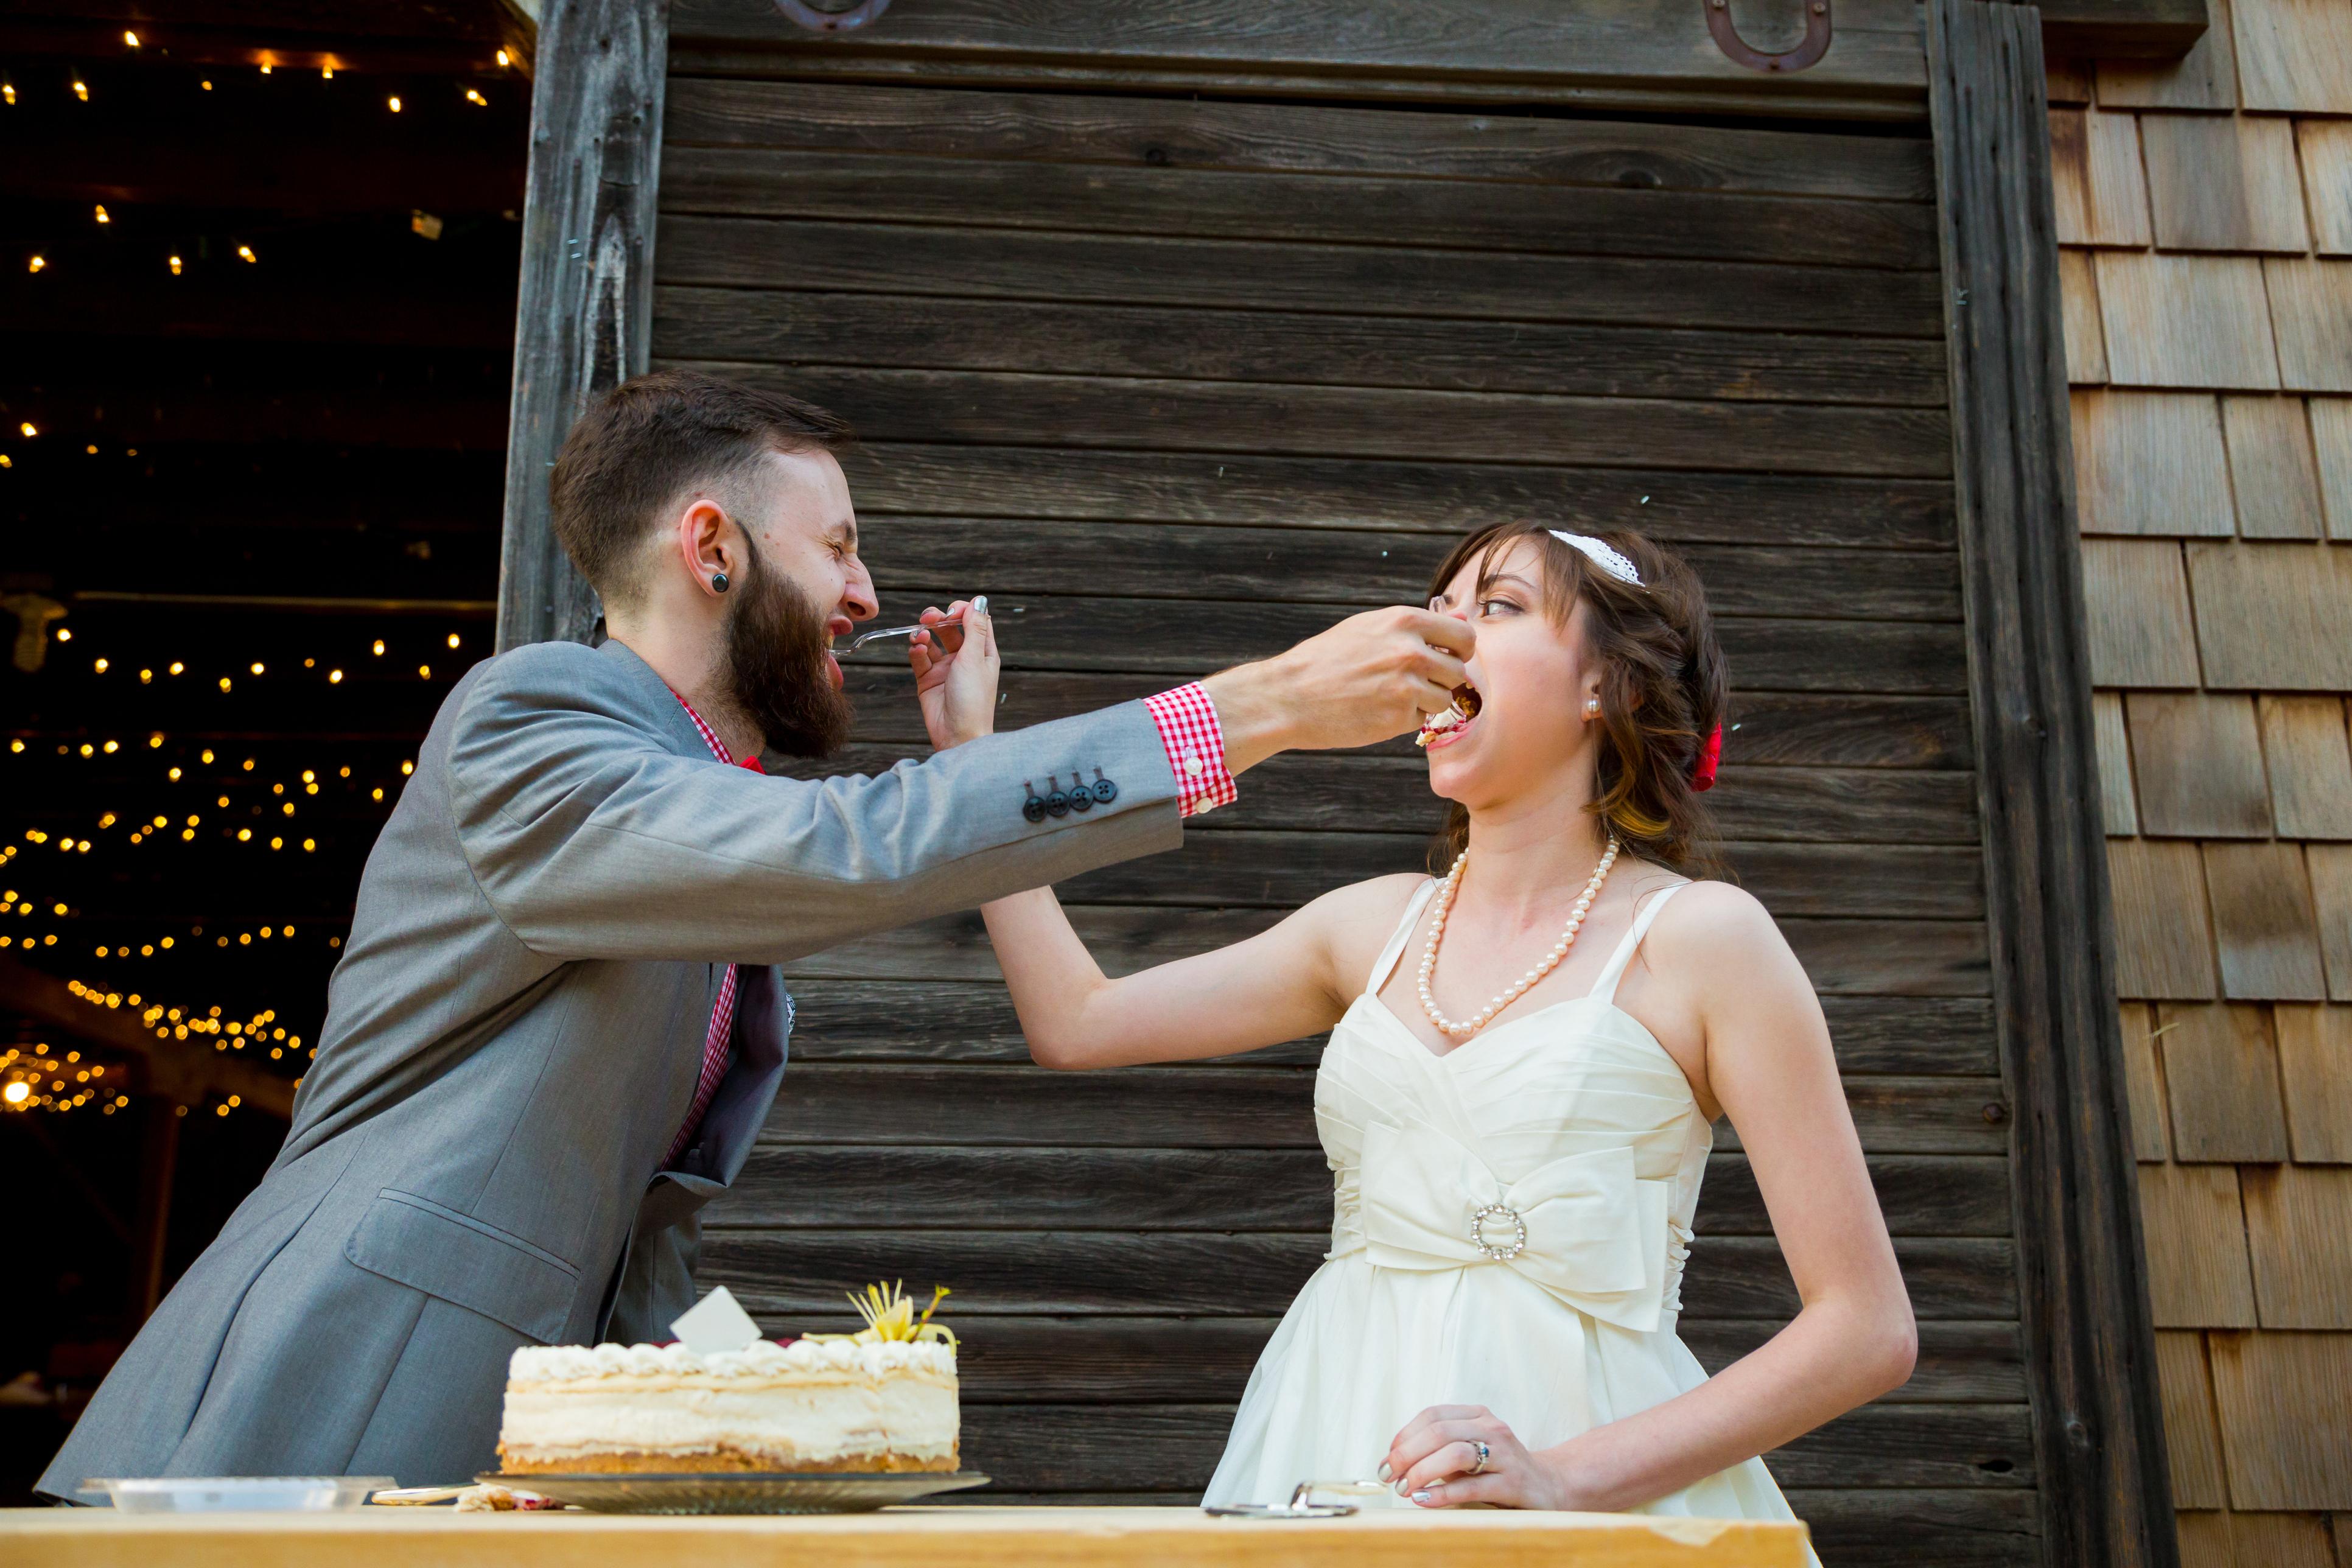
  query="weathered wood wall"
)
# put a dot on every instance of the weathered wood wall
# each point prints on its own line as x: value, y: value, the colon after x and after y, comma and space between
x: 1176, y: 382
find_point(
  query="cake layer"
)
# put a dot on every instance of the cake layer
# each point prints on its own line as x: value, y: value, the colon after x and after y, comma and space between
x: 812, y: 1405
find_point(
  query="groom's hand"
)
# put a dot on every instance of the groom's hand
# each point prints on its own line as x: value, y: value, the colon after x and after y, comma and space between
x: 1370, y: 676
x: 956, y: 667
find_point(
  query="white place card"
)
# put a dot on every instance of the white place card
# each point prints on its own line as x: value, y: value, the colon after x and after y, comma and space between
x: 715, y: 1324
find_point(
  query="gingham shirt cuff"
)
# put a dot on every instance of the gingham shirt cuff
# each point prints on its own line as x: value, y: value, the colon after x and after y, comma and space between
x: 1196, y: 748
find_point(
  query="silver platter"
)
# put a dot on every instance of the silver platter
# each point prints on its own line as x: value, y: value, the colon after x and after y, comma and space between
x: 738, y: 1491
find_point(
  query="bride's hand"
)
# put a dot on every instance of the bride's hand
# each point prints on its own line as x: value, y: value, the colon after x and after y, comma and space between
x: 1431, y: 1461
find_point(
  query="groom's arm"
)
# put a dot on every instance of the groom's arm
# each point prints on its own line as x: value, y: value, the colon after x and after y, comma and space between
x: 591, y: 839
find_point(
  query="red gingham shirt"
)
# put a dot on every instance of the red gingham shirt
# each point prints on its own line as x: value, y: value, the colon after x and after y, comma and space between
x: 1196, y: 743
x: 1196, y: 748
x: 716, y: 1043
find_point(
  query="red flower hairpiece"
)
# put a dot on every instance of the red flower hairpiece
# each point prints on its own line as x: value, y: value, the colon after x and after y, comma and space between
x: 1703, y: 770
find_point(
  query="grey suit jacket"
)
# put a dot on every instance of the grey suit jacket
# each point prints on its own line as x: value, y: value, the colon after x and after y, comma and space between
x: 512, y: 1041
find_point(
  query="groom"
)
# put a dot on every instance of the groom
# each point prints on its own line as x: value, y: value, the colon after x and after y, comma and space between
x: 558, y: 1025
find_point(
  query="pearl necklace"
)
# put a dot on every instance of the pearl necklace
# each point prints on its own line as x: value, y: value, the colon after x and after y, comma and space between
x: 1486, y: 1015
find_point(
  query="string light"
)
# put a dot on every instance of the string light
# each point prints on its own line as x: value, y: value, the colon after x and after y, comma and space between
x: 176, y: 266
x: 81, y: 90
x: 503, y: 61
x: 36, y: 263
x: 244, y: 252
x: 207, y: 86
x: 9, y: 92
x: 130, y: 37
x: 395, y: 102
x: 101, y: 214
x: 473, y: 97
x: 64, y: 634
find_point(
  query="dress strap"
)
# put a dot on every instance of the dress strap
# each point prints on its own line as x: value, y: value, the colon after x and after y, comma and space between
x: 1605, y: 988
x: 1395, y: 949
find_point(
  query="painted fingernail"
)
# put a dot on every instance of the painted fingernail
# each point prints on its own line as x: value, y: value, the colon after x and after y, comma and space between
x: 1421, y: 1496
x: 1386, y: 1473
x: 980, y: 605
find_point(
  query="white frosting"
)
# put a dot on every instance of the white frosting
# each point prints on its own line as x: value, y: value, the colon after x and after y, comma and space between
x: 766, y: 1360
x: 790, y: 1424
x: 810, y: 1402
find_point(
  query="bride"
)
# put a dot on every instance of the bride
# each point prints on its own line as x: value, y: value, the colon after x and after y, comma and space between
x: 1526, y: 1056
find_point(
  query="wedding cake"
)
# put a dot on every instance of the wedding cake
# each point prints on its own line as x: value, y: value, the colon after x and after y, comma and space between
x: 882, y: 1399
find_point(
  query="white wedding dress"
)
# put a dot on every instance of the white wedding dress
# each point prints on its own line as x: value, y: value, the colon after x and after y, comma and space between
x: 1576, y: 1134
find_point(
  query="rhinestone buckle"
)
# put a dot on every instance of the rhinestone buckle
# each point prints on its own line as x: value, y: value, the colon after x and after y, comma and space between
x: 1500, y: 1253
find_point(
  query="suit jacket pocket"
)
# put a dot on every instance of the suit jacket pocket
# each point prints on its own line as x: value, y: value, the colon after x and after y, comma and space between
x: 435, y: 1249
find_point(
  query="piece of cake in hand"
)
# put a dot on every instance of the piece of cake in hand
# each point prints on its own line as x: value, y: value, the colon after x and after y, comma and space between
x: 883, y: 1399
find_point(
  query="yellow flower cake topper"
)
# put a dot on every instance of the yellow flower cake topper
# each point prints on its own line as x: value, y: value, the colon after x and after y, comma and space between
x: 890, y: 1315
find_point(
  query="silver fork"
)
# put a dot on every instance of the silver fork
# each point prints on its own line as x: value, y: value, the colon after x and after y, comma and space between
x: 980, y: 603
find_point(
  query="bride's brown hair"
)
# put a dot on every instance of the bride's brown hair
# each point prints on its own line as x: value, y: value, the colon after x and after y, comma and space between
x: 1663, y: 687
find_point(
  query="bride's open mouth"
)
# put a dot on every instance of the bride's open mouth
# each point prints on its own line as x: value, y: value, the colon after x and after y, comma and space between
x: 1452, y: 722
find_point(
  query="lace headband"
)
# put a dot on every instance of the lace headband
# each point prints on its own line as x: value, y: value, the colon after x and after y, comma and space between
x: 1600, y: 556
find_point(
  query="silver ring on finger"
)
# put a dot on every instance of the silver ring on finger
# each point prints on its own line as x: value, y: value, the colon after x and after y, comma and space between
x: 1484, y: 1454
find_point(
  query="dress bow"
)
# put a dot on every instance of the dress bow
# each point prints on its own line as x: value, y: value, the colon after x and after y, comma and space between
x: 1584, y: 1227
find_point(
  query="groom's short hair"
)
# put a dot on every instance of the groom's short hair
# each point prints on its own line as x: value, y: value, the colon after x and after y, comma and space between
x: 653, y: 440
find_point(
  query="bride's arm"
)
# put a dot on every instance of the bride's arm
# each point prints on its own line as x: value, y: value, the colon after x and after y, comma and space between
x: 1768, y: 1064
x: 1273, y: 987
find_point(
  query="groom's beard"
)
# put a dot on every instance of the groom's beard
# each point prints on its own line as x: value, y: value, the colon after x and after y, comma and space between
x: 776, y: 666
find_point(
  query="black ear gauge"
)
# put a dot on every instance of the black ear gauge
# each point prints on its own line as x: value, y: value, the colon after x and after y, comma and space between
x: 1058, y: 804
x: 1081, y: 797
x: 718, y: 582
x: 1104, y: 792
x: 1034, y: 808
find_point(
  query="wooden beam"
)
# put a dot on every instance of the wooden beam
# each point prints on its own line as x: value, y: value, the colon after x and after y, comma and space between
x: 2122, y: 29
x: 176, y: 1069
x: 2104, y: 1494
x: 1615, y: 54
x: 586, y: 300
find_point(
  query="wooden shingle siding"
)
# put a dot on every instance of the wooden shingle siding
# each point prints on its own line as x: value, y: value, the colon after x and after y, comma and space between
x: 2086, y: 341
x: 2303, y: 1382
x: 2097, y: 179
x: 2311, y: 309
x: 1179, y: 380
x: 2220, y: 182
x: 2150, y: 463
x: 2302, y: 1255
x: 2331, y: 897
x: 2314, y: 1052
x: 2196, y: 1271
x: 2221, y: 1075
x: 2136, y: 592
x: 2271, y: 471
x: 2274, y: 617
x: 2310, y: 766
x: 2246, y: 1103
x: 2331, y: 440
x: 2164, y: 946
x: 2264, y: 922
x: 2198, y: 761
x: 2117, y: 808
x: 2326, y: 147
x: 2185, y: 320
x: 2143, y: 1088
x: 2195, y: 1442
x: 2294, y: 55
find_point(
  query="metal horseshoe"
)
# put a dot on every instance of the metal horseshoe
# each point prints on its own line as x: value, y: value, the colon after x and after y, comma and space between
x: 1726, y: 36
x: 847, y: 21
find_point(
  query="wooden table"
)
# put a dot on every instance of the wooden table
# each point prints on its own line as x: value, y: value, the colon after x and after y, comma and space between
x: 898, y: 1538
